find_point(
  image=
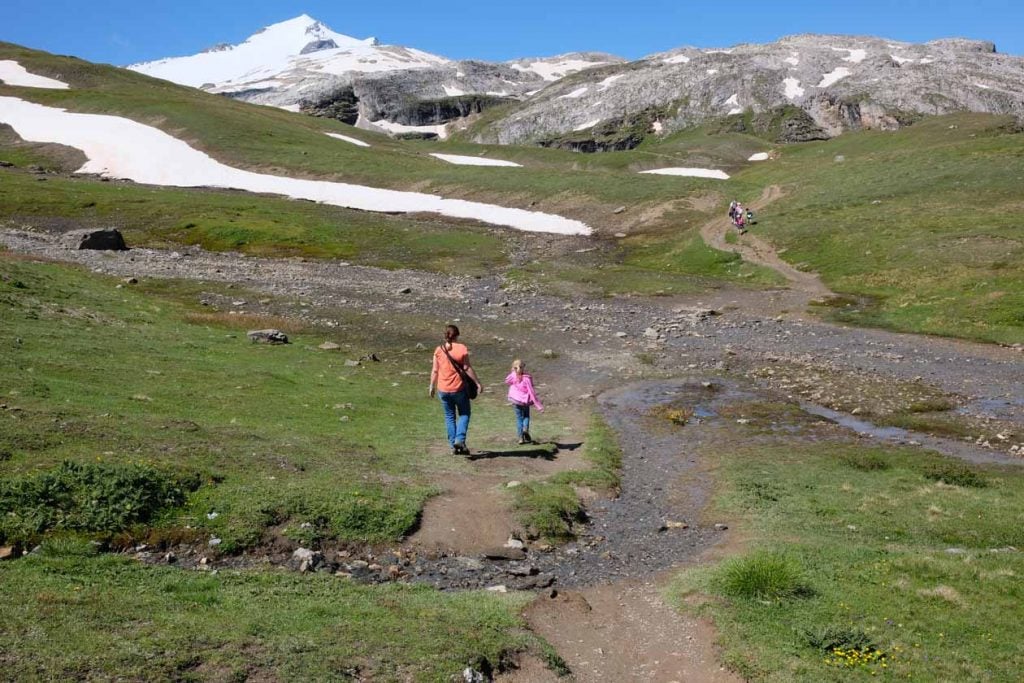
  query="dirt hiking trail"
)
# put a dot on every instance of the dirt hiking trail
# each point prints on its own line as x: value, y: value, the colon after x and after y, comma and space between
x: 756, y: 250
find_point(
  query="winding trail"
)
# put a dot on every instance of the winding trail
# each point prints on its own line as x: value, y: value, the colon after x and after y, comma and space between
x: 756, y: 250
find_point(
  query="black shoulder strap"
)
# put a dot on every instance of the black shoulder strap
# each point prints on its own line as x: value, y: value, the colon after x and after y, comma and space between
x: 455, y: 364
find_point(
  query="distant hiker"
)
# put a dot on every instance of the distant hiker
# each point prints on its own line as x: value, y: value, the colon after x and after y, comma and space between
x: 456, y: 384
x: 732, y: 209
x: 750, y: 217
x: 521, y: 395
x: 740, y: 220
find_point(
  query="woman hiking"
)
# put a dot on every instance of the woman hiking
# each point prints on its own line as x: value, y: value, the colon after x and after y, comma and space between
x: 451, y: 365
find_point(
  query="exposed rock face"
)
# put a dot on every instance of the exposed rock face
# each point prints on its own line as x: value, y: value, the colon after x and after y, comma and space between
x: 103, y: 240
x: 839, y: 82
x: 267, y: 337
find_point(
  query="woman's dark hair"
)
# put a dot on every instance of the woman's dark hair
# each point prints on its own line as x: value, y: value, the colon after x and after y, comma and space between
x: 451, y: 333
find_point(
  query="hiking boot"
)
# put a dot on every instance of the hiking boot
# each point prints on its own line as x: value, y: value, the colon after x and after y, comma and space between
x: 522, y: 440
x: 527, y: 438
x: 460, y: 449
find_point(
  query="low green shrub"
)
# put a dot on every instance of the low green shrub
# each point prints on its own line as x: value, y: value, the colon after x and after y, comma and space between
x: 89, y: 497
x: 866, y: 462
x: 955, y: 474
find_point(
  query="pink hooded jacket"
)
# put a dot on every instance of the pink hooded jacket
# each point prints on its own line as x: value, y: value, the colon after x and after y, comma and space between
x: 521, y: 390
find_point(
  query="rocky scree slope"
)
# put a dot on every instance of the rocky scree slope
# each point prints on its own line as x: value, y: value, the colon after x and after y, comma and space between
x: 800, y: 88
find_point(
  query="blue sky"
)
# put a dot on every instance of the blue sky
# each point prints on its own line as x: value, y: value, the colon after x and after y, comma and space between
x: 121, y: 31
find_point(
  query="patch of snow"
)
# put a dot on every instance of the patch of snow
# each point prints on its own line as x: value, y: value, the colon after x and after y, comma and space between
x: 121, y: 148
x: 734, y: 100
x: 459, y: 74
x: 926, y: 60
x: 294, y: 108
x: 676, y: 59
x: 346, y: 138
x: 607, y: 83
x: 497, y: 93
x: 588, y: 124
x: 452, y: 91
x: 735, y: 110
x: 533, y: 92
x: 577, y: 93
x: 13, y: 73
x: 793, y: 89
x: 902, y: 60
x: 834, y: 76
x: 712, y: 72
x: 718, y: 52
x: 691, y: 172
x: 658, y: 126
x: 474, y: 161
x: 793, y: 59
x: 441, y: 129
x: 982, y: 86
x: 856, y: 56
x: 555, y: 69
x: 760, y: 156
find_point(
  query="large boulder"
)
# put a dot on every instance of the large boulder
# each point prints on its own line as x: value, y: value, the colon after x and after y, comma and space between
x: 104, y: 240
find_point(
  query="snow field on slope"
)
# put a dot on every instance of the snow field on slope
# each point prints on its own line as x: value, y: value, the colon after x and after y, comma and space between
x: 691, y: 172
x: 474, y: 161
x: 121, y: 148
x: 13, y: 73
x: 346, y: 138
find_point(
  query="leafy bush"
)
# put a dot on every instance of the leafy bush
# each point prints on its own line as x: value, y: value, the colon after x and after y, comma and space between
x: 866, y: 462
x: 762, y: 576
x: 956, y: 474
x: 94, y: 497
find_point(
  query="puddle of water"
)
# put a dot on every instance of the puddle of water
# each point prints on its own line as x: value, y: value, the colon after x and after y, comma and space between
x: 956, y: 449
x: 859, y: 426
x: 995, y: 408
x: 703, y: 411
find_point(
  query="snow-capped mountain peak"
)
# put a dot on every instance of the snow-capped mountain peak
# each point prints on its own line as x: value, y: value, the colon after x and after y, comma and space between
x: 291, y: 48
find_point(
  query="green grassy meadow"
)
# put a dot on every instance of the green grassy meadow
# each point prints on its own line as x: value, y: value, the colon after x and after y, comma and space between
x: 865, y: 563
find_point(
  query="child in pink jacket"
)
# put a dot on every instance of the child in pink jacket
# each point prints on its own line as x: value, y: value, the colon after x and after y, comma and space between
x: 521, y: 395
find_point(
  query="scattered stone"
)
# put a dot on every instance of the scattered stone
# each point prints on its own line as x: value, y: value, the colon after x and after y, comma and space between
x: 352, y: 364
x: 621, y: 335
x: 131, y: 281
x: 470, y: 564
x: 270, y: 336
x: 214, y: 542
x: 505, y: 554
x: 721, y: 527
x: 955, y: 551
x: 514, y: 542
x: 676, y: 525
x: 329, y: 346
x: 170, y: 558
x: 405, y: 290
x: 651, y: 333
x: 102, y: 240
x: 549, y: 353
x: 498, y: 589
x: 306, y: 560
x: 512, y: 484
x: 619, y: 210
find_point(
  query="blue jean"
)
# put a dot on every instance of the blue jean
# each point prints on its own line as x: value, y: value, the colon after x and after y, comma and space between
x: 522, y: 418
x: 456, y: 414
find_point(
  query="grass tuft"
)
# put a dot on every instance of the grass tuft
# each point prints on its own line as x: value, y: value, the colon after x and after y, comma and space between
x: 762, y: 575
x: 955, y: 474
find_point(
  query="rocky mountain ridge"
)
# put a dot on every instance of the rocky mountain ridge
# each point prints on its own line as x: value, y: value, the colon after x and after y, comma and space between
x: 802, y: 87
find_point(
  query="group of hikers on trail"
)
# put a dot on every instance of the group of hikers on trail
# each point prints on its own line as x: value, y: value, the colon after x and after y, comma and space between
x: 740, y: 217
x: 454, y: 381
